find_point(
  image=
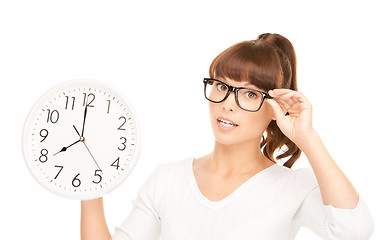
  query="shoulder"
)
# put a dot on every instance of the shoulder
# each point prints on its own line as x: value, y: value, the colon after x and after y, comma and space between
x: 174, y: 168
x: 304, y: 182
x: 171, y: 171
x: 304, y: 177
x: 299, y: 176
x: 164, y: 181
x: 301, y: 181
x: 164, y: 175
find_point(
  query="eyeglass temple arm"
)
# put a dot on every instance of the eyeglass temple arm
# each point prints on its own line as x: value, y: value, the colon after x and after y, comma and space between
x: 268, y: 96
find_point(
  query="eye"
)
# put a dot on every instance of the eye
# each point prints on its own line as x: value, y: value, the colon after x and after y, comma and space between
x: 250, y: 94
x: 221, y: 87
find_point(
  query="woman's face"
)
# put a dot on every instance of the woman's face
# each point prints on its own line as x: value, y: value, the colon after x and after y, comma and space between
x: 232, y: 125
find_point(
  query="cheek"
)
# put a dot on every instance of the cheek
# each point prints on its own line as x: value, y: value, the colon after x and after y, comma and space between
x: 257, y: 122
x: 254, y: 125
x: 212, y: 112
x: 213, y: 108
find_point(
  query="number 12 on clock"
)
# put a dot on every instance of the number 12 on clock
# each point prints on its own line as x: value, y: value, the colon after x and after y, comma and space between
x: 81, y: 139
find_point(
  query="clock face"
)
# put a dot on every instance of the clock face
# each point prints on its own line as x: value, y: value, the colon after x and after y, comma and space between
x: 81, y: 139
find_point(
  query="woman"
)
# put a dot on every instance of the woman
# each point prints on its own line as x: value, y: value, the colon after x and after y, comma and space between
x: 238, y: 191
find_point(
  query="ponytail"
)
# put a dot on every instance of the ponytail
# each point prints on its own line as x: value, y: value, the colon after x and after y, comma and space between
x: 275, y: 139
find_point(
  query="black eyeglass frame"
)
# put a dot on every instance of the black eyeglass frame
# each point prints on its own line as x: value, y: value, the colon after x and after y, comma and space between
x: 235, y: 90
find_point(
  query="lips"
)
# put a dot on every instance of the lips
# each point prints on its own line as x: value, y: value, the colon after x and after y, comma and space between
x: 226, y: 122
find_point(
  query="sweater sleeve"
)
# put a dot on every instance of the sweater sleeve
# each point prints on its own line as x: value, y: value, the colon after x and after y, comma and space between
x: 329, y: 222
x: 143, y: 222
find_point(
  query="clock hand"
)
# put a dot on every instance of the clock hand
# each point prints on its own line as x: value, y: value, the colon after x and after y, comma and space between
x: 92, y: 156
x: 83, y: 141
x: 81, y: 138
x: 83, y: 124
x: 65, y: 148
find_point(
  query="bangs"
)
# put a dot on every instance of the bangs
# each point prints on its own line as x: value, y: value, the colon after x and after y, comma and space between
x: 253, y: 61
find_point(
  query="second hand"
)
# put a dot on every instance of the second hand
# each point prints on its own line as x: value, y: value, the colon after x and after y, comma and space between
x: 82, y: 139
x: 91, y: 155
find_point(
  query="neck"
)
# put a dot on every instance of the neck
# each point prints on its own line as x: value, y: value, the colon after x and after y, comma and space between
x: 237, y: 158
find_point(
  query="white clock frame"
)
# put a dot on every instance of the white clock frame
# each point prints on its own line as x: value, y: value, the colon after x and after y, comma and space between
x: 69, y: 146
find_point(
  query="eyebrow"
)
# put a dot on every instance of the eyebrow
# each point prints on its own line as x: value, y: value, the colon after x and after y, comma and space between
x: 245, y: 84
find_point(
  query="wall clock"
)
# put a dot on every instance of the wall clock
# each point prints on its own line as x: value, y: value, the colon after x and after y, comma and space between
x: 81, y: 139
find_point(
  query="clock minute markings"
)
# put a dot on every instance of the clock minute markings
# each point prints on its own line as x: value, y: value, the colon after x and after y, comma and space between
x: 108, y: 106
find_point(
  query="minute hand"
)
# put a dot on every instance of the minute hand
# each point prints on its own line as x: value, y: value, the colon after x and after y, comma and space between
x: 83, y: 123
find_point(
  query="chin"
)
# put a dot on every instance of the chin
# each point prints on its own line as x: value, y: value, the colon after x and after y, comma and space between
x: 234, y: 138
x: 227, y: 134
x: 232, y: 141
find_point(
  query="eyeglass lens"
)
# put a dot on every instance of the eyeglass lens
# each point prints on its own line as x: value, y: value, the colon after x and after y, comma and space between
x: 248, y: 99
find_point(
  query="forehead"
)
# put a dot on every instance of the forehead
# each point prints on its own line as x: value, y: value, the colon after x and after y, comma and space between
x: 235, y: 83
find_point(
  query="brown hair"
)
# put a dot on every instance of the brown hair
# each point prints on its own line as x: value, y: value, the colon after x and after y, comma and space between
x: 268, y: 62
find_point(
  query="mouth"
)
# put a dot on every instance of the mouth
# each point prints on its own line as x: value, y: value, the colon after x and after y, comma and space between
x: 226, y: 122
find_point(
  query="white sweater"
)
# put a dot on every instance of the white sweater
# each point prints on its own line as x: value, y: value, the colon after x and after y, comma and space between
x: 271, y: 205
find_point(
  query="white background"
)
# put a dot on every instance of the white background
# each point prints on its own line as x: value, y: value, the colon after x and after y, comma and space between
x: 156, y: 53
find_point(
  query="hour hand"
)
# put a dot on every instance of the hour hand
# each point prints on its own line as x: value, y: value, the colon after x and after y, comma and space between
x: 65, y: 148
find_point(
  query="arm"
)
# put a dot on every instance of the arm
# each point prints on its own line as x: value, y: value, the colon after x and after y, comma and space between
x: 327, y: 221
x: 335, y: 210
x: 93, y: 223
x: 336, y: 189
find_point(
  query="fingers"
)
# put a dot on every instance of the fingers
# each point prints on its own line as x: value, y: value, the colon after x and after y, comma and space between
x: 277, y: 109
x: 285, y: 94
x: 289, y: 98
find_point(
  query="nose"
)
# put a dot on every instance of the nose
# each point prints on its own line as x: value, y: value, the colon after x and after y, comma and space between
x: 229, y: 104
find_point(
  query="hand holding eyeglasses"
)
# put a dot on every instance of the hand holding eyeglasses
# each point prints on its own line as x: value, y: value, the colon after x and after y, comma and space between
x: 299, y: 121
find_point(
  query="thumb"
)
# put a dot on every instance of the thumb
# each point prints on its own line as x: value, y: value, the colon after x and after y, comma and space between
x: 278, y: 111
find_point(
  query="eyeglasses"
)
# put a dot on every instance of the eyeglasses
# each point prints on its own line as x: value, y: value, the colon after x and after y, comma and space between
x: 248, y: 99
